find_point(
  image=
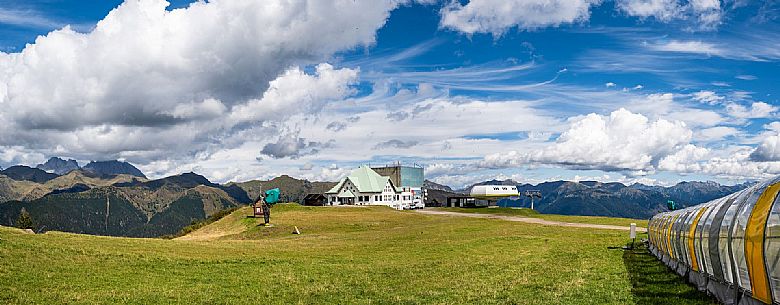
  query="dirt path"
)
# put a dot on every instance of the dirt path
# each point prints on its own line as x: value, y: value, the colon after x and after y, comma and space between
x: 206, y: 235
x: 531, y: 220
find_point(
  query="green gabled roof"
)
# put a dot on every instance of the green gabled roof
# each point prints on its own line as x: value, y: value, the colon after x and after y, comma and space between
x: 365, y: 179
x: 346, y: 194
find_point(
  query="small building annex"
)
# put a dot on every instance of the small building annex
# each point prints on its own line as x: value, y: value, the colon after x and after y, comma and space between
x: 365, y: 187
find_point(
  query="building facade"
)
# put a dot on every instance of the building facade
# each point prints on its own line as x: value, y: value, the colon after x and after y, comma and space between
x: 364, y: 186
x: 409, y: 179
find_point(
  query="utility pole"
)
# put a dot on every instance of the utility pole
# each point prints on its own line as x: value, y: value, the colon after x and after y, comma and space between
x: 531, y: 194
x: 108, y: 205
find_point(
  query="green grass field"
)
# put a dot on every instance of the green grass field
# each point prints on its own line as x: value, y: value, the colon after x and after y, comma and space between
x: 524, y: 212
x: 362, y: 255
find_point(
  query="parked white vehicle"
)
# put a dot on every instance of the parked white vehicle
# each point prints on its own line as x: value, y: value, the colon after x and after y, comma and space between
x: 417, y: 204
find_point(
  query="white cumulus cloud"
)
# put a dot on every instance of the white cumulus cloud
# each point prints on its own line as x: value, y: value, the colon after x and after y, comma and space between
x: 664, y: 10
x: 716, y: 133
x: 768, y: 150
x: 297, y: 92
x: 756, y: 110
x: 147, y: 80
x: 685, y: 160
x: 707, y: 97
x: 621, y: 141
x: 706, y: 13
x: 496, y: 16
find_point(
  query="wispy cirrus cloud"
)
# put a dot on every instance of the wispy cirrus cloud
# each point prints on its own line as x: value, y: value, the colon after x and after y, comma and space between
x: 746, y: 77
x: 695, y: 47
x: 750, y: 47
x: 28, y: 18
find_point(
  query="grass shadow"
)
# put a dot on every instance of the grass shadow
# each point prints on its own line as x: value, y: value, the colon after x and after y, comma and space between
x: 654, y: 283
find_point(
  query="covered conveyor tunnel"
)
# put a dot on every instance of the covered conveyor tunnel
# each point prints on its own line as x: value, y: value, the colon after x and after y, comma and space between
x: 729, y: 247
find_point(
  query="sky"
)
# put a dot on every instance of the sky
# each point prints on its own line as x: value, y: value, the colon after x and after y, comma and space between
x: 631, y: 91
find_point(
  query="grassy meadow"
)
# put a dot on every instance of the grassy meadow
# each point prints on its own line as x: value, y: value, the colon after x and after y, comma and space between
x: 525, y: 212
x: 346, y: 255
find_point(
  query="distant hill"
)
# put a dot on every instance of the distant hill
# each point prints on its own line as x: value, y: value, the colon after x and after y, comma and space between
x: 11, y: 189
x: 592, y: 198
x: 113, y: 167
x: 25, y: 190
x: 59, y: 166
x: 21, y: 172
x: 430, y: 185
x: 119, y: 205
x: 292, y: 189
x: 113, y: 198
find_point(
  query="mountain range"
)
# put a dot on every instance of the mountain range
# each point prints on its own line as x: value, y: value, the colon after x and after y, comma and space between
x: 115, y: 198
x: 592, y: 198
x: 59, y: 166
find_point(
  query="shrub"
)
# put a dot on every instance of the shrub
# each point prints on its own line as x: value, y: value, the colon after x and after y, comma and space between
x: 25, y: 220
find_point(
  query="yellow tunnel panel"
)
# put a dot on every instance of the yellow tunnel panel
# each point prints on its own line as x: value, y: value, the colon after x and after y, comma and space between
x: 691, y: 237
x: 754, y: 244
x: 669, y: 236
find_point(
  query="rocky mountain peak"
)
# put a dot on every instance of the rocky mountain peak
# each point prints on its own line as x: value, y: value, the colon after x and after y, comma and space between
x: 59, y: 166
x: 113, y: 167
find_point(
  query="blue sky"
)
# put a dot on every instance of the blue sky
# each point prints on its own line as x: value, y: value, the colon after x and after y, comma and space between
x: 650, y: 91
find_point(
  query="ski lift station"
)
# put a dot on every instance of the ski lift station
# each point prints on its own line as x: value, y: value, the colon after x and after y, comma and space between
x: 494, y: 192
x: 483, y: 196
x: 489, y: 195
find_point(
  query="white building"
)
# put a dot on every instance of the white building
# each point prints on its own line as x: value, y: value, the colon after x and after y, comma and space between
x: 365, y: 187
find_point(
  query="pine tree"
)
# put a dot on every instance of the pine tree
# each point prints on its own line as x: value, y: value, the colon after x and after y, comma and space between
x: 25, y: 220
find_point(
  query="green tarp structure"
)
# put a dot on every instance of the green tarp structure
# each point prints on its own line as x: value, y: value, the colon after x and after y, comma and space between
x: 272, y: 196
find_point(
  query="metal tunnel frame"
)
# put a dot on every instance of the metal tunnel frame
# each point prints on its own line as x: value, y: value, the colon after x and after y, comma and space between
x: 728, y: 247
